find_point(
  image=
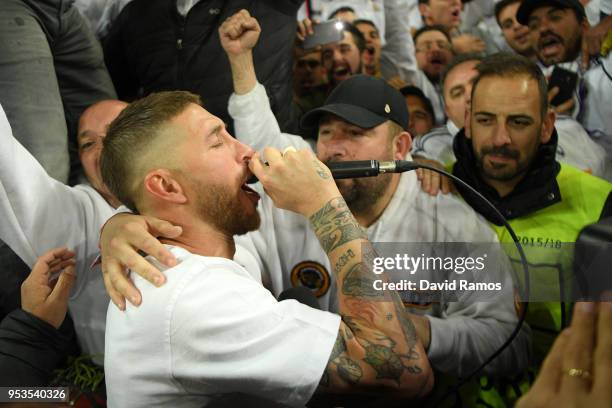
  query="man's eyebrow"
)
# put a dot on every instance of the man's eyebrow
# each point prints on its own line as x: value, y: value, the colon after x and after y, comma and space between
x: 520, y: 116
x: 214, y: 131
x: 84, y: 133
x: 484, y: 113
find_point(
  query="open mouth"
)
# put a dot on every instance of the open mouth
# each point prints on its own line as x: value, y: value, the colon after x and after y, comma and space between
x: 550, y: 44
x: 437, y: 61
x: 341, y: 73
x: 248, y: 191
x: 370, y: 50
x: 456, y: 14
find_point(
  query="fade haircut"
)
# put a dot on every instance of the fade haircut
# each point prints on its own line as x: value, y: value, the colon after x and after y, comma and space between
x: 131, y: 140
x: 508, y: 65
x: 499, y: 7
x: 458, y: 60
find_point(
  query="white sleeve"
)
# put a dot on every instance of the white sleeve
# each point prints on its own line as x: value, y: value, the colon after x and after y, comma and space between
x: 606, y: 7
x: 39, y: 213
x: 398, y: 53
x: 247, y: 342
x: 255, y: 123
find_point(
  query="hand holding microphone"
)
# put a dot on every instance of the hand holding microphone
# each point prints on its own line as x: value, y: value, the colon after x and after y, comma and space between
x: 294, y: 180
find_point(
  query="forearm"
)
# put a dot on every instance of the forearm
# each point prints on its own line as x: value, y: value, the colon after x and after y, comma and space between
x: 243, y: 72
x: 377, y: 345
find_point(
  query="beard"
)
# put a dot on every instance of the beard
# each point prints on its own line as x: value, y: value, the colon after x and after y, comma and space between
x: 221, y: 208
x: 571, y: 49
x: 362, y: 194
x: 499, y: 171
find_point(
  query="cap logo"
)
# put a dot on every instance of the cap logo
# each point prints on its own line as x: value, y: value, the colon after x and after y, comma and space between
x: 387, y: 108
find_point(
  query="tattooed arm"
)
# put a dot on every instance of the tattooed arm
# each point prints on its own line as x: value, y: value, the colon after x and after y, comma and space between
x: 377, y: 348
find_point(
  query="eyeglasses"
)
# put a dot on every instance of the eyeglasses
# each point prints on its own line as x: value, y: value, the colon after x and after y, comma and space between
x: 428, y: 45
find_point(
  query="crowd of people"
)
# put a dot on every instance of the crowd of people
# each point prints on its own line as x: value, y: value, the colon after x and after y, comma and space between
x: 132, y: 233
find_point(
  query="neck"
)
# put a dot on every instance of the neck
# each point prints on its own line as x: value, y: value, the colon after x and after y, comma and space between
x: 200, y: 238
x: 368, y: 217
x: 110, y: 199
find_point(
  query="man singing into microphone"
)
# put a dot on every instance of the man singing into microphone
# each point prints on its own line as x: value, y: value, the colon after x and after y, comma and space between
x: 364, y: 118
x: 213, y: 334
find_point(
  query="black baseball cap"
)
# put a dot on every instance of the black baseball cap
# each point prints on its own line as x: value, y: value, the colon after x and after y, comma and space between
x: 527, y: 7
x: 363, y: 101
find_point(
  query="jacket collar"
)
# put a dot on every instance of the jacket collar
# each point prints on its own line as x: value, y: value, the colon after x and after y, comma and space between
x: 539, y: 189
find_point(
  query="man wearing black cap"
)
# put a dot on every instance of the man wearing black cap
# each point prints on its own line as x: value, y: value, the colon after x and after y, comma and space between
x: 364, y: 118
x: 557, y: 29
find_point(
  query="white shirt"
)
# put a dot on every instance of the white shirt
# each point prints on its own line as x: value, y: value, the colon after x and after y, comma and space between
x: 466, y: 330
x: 437, y: 144
x: 210, y: 332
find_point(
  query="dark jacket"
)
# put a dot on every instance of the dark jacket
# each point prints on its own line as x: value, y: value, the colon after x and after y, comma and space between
x: 151, y: 48
x: 537, y: 190
x: 30, y: 349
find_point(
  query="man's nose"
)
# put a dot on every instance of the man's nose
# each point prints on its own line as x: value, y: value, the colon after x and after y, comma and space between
x: 501, y: 136
x: 337, y: 55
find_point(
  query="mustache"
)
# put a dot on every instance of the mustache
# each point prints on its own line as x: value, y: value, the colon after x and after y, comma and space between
x: 503, y: 151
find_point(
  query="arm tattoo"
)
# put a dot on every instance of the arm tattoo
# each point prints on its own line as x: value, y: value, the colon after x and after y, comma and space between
x: 349, y: 370
x: 358, y: 282
x: 363, y: 311
x: 334, y: 225
x: 344, y: 259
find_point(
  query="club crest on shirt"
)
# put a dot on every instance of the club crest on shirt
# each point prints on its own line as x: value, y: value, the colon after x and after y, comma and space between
x: 311, y: 275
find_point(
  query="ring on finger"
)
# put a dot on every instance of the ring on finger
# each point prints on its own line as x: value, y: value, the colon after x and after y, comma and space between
x: 579, y: 373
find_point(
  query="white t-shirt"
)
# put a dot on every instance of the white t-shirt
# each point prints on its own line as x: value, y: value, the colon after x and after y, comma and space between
x: 210, y: 333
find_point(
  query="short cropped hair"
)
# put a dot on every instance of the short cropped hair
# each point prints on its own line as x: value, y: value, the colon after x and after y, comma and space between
x: 433, y: 27
x: 458, y: 60
x: 132, y: 135
x: 508, y: 65
x: 499, y: 7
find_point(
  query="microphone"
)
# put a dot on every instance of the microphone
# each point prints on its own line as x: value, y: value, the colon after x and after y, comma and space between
x: 368, y: 168
x: 302, y: 295
x: 363, y: 168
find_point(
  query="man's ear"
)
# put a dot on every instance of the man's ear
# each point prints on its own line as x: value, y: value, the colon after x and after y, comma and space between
x: 402, y: 145
x: 467, y: 124
x: 424, y: 10
x: 548, y: 126
x: 162, y: 184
